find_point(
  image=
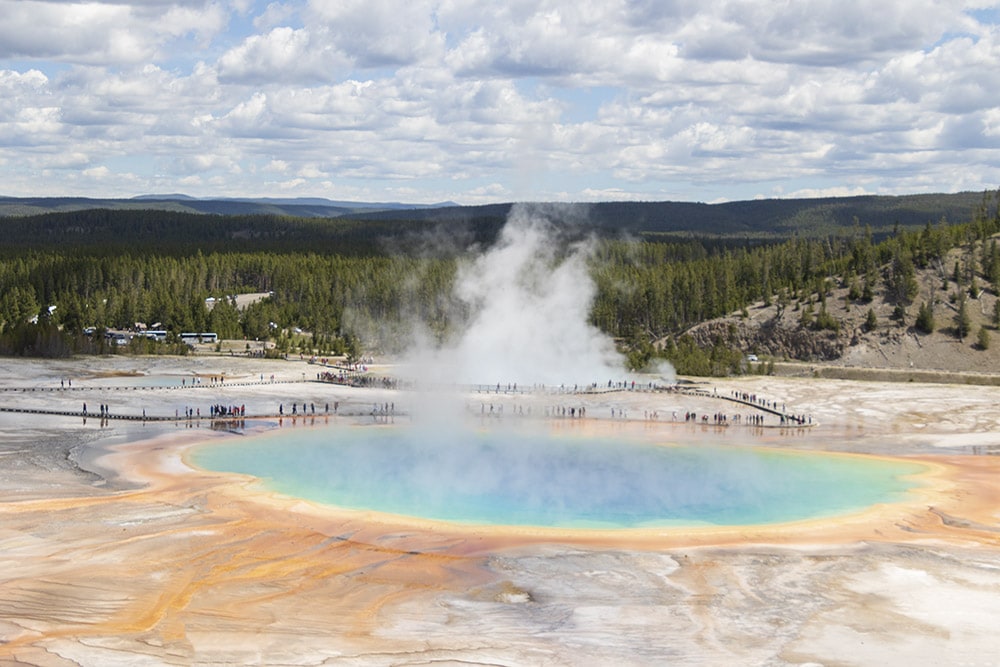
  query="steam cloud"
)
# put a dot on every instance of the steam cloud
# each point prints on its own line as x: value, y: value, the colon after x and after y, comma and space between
x: 527, y: 300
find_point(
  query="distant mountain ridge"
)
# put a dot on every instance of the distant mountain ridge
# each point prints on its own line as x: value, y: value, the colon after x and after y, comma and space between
x: 304, y: 207
x: 757, y: 218
x: 299, y: 201
x: 752, y: 219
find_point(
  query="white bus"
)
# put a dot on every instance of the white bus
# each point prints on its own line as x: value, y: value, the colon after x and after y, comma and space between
x: 205, y: 337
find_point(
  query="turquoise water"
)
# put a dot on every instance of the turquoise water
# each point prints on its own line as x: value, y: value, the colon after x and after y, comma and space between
x: 519, y: 478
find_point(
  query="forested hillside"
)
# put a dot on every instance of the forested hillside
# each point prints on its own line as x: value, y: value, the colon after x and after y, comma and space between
x: 351, y: 284
x: 770, y: 219
x: 764, y: 218
x: 297, y: 207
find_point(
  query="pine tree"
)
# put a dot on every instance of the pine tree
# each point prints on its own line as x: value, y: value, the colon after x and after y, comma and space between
x: 925, y: 319
x: 983, y: 339
x: 901, y: 283
x: 871, y: 321
x: 963, y: 323
x: 854, y: 289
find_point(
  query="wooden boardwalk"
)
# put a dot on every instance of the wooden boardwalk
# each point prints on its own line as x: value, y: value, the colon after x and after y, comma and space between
x: 143, y: 417
x: 786, y: 419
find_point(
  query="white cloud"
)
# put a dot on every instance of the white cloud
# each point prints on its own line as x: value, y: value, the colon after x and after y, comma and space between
x: 445, y: 99
x: 97, y: 173
x: 310, y: 172
x: 204, y: 22
x: 284, y: 55
x: 817, y: 33
x: 489, y: 191
x: 274, y: 15
x: 378, y: 33
x: 102, y: 33
x: 991, y: 123
x: 200, y: 163
x: 75, y: 160
x: 10, y: 80
x: 87, y: 32
x: 249, y: 117
x: 840, y: 191
x: 32, y: 126
x: 611, y: 194
x: 277, y: 166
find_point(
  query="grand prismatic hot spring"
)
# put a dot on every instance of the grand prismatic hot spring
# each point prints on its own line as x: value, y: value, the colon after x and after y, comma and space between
x: 524, y: 477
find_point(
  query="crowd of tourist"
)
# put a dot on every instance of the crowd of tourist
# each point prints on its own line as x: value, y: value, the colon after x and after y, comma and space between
x: 765, y: 411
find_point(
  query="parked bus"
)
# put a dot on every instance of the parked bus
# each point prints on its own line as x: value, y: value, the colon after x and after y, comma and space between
x: 204, y: 337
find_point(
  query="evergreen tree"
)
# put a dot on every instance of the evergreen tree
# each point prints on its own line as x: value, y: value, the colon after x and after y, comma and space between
x: 974, y: 290
x: 963, y: 323
x: 868, y: 290
x: 925, y: 319
x: 806, y: 316
x: 983, y: 339
x: 854, y: 289
x: 871, y: 321
x: 901, y: 283
x: 826, y: 321
x: 992, y: 267
x: 224, y: 319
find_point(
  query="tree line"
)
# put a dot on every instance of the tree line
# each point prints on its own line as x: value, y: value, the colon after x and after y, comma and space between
x: 349, y: 283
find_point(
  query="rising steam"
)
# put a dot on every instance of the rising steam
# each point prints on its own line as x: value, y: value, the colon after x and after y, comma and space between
x: 525, y: 303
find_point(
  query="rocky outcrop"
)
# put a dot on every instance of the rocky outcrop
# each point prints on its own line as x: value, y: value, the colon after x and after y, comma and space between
x: 773, y: 337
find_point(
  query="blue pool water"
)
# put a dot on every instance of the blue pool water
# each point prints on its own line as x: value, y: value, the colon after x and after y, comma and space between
x: 526, y: 478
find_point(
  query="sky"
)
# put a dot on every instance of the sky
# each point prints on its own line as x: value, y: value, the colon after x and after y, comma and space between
x: 425, y: 101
